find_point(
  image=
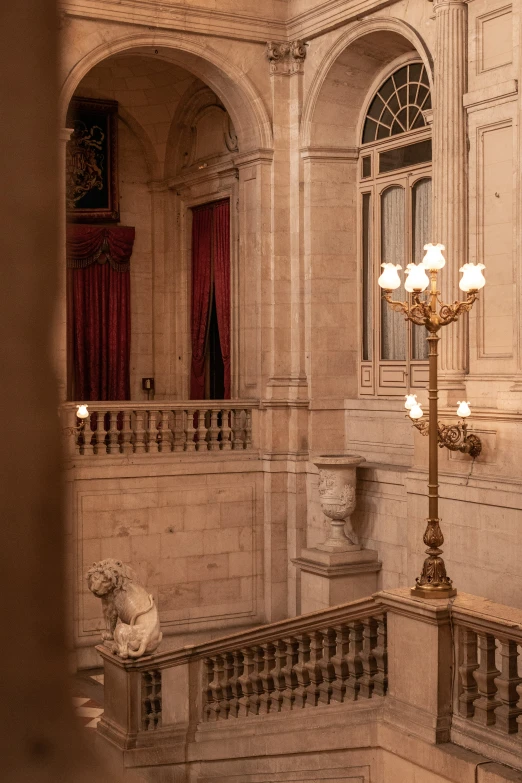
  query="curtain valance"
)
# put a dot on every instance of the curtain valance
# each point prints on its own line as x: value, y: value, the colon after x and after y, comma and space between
x: 87, y: 245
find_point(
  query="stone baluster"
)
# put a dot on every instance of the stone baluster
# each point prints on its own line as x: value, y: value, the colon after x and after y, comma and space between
x: 485, y: 676
x: 126, y: 433
x: 354, y: 659
x: 237, y: 432
x: 226, y: 431
x: 507, y: 714
x: 248, y: 429
x: 368, y: 662
x: 289, y: 673
x: 234, y: 684
x: 339, y: 662
x: 301, y: 670
x: 245, y: 680
x: 113, y: 446
x: 151, y: 707
x: 90, y: 434
x: 213, y: 431
x: 276, y: 704
x: 468, y: 655
x: 327, y: 667
x: 139, y: 433
x: 208, y: 695
x: 216, y: 686
x: 201, y: 431
x: 380, y: 680
x: 179, y: 432
x: 152, y: 432
x: 267, y: 679
x: 191, y: 428
x: 165, y: 438
x: 450, y: 210
x: 314, y: 668
x: 257, y: 682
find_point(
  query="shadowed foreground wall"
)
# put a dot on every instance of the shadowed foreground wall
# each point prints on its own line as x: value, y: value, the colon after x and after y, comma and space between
x: 39, y: 742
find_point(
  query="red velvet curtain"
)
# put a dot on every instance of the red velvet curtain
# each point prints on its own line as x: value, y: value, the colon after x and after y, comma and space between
x: 201, y: 284
x: 210, y: 264
x: 221, y: 256
x: 98, y: 260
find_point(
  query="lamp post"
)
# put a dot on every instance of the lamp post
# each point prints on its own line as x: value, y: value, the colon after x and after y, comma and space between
x: 432, y: 313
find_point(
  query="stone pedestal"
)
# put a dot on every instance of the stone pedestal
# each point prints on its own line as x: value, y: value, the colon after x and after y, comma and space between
x: 332, y: 578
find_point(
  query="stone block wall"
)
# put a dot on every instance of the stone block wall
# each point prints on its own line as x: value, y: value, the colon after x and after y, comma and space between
x: 192, y: 532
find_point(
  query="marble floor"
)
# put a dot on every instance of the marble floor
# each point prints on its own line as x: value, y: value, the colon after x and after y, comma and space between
x: 88, y: 706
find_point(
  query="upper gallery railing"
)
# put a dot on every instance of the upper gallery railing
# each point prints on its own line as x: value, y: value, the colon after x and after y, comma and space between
x: 332, y: 656
x: 161, y: 427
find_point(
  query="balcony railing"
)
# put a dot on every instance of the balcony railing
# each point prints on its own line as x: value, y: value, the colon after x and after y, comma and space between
x: 161, y: 427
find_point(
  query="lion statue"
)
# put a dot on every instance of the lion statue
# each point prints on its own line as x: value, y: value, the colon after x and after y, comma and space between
x: 132, y: 627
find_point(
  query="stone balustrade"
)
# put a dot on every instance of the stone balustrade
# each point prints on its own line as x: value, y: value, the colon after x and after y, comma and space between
x: 161, y: 427
x: 488, y: 699
x: 390, y: 677
x: 333, y: 656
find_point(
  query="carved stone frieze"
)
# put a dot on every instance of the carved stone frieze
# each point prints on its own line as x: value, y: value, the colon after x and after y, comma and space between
x: 286, y: 57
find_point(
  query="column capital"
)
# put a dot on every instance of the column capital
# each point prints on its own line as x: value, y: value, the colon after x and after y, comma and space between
x: 286, y: 57
x: 447, y: 3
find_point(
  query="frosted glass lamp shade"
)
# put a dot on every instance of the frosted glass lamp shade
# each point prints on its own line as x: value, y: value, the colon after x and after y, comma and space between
x: 416, y: 412
x: 417, y: 279
x: 463, y: 410
x: 411, y: 400
x: 472, y: 278
x: 82, y: 412
x: 389, y: 279
x: 433, y: 259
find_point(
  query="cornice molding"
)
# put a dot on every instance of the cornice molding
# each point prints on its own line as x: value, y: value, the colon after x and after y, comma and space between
x: 172, y: 16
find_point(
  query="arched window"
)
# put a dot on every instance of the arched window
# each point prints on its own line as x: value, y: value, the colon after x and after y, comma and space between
x: 395, y: 223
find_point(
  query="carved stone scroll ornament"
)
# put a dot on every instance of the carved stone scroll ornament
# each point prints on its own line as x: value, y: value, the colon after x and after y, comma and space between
x: 132, y: 627
x: 286, y: 57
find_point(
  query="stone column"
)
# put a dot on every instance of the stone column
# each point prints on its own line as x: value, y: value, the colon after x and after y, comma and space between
x: 450, y: 177
x: 286, y: 396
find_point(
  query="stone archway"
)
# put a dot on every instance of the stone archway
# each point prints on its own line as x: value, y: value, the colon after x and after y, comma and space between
x: 230, y: 84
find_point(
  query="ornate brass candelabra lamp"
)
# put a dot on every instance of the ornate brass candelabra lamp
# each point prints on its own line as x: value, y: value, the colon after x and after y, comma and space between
x: 432, y: 313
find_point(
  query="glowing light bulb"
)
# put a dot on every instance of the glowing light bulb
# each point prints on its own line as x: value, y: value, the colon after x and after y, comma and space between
x: 411, y: 400
x: 82, y: 412
x: 389, y: 279
x: 472, y: 278
x: 433, y: 258
x: 463, y: 410
x: 417, y: 279
x: 416, y: 412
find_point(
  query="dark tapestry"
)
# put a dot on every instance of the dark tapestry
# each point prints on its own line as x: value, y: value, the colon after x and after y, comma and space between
x: 91, y: 165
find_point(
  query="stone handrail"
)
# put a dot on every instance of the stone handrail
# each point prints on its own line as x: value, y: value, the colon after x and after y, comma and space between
x: 488, y: 697
x: 330, y: 656
x: 161, y: 427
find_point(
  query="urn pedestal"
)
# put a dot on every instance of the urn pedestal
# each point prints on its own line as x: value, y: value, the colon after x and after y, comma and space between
x: 338, y: 570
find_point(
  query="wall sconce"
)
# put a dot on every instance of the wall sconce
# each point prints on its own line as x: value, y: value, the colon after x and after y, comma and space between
x: 454, y: 437
x: 82, y: 413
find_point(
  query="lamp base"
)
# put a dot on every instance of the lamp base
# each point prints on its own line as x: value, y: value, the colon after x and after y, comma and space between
x: 438, y: 591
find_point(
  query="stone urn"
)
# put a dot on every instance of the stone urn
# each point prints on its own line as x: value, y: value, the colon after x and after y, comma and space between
x: 337, y: 481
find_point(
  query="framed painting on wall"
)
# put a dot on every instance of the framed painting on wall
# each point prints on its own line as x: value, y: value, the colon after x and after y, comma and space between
x: 92, y: 161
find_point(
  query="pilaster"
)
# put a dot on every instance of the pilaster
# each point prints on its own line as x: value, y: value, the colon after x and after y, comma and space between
x: 450, y: 176
x: 161, y: 285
